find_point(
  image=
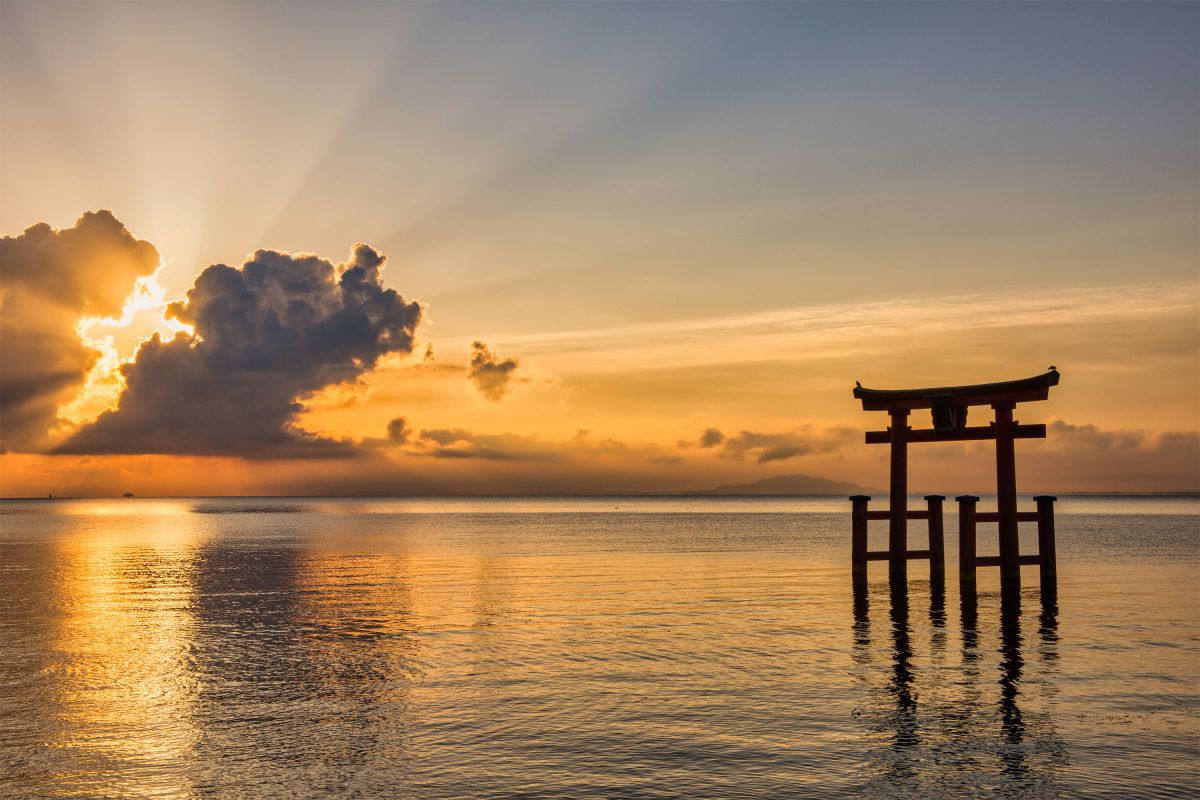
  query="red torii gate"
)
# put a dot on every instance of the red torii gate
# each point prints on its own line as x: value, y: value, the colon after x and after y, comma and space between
x: 949, y: 405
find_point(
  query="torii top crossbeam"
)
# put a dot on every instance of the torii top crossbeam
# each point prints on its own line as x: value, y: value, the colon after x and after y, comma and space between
x: 949, y: 405
x: 980, y: 394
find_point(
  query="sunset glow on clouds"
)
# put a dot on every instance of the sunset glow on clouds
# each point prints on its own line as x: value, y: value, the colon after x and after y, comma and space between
x: 305, y: 363
x: 657, y: 263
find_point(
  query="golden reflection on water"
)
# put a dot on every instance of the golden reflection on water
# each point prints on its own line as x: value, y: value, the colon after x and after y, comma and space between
x: 124, y: 634
x: 123, y: 508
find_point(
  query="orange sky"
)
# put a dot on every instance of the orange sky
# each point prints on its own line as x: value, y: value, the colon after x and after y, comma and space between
x: 650, y: 236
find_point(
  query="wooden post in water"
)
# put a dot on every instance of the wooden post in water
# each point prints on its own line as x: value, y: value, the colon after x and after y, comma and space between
x: 937, y: 540
x: 1006, y: 493
x: 966, y: 539
x: 858, y: 535
x: 898, y: 498
x: 1047, y: 557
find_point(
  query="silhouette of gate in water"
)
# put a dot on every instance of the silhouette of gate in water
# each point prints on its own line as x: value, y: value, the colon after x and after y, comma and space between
x: 949, y: 406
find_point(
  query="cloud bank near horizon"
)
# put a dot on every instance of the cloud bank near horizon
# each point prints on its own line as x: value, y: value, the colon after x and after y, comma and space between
x: 1076, y: 458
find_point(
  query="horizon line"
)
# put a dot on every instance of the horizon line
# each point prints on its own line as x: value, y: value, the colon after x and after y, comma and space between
x: 689, y: 493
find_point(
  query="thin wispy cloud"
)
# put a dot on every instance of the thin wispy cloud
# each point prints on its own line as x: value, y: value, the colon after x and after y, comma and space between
x: 844, y: 328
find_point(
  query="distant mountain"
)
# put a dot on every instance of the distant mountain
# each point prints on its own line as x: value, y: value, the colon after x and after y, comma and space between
x: 788, y: 484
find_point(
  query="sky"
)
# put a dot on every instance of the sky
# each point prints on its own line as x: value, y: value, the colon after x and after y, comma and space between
x: 589, y: 248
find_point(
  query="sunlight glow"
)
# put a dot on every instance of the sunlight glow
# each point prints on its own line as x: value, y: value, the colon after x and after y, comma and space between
x: 104, y: 383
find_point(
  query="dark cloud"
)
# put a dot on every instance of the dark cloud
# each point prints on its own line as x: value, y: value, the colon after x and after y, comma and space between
x: 767, y: 447
x: 398, y: 430
x: 711, y: 437
x: 267, y: 335
x: 49, y: 279
x: 489, y: 374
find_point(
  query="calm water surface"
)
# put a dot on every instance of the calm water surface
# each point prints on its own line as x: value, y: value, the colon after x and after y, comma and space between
x: 617, y: 648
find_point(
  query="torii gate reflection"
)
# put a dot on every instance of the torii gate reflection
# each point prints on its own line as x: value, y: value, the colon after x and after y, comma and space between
x: 927, y: 721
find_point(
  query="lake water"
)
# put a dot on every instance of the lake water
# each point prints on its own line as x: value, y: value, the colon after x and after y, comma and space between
x: 577, y: 648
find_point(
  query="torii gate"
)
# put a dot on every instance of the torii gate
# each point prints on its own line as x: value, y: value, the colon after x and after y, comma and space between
x: 949, y: 405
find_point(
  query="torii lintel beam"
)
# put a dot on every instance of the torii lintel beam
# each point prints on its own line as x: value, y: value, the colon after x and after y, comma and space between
x: 981, y: 394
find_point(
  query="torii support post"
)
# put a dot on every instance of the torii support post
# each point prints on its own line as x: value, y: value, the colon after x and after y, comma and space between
x: 966, y: 538
x: 858, y: 535
x: 1006, y: 493
x: 1047, y: 556
x: 898, y: 498
x: 937, y: 539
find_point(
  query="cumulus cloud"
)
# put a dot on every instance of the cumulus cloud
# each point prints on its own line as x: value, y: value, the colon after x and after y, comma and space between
x: 49, y: 279
x: 266, y: 336
x: 489, y: 374
x: 767, y: 447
